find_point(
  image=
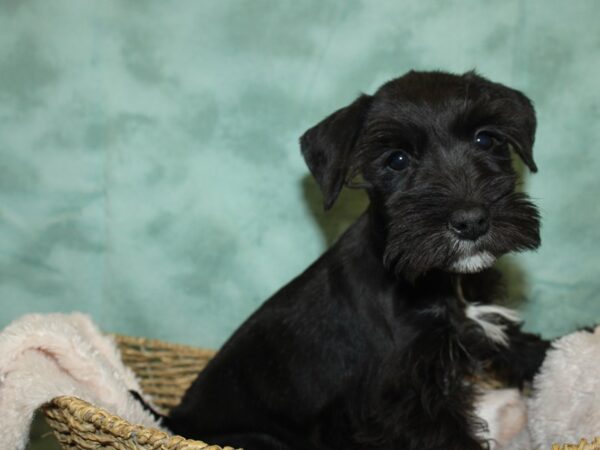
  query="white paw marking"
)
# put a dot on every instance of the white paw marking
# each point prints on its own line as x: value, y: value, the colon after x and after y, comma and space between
x: 494, y: 332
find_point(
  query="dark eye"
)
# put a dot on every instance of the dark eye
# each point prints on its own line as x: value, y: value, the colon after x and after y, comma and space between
x: 398, y: 161
x: 485, y: 140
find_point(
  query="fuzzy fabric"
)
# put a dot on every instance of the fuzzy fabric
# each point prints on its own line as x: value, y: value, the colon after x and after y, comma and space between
x: 564, y: 406
x: 45, y: 356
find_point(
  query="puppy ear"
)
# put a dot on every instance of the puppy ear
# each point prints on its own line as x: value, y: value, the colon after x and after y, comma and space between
x: 519, y: 112
x: 525, y: 135
x: 327, y: 147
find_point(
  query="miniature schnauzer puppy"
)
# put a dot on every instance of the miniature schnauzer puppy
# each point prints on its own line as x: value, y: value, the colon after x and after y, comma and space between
x: 377, y: 344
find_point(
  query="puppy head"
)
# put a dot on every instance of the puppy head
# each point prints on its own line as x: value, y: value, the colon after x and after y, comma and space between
x: 434, y: 150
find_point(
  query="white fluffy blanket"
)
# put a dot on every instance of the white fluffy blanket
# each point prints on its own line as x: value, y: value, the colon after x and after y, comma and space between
x: 563, y: 407
x: 45, y: 356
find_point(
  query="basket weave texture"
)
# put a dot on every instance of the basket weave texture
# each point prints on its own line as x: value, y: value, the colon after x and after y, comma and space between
x: 165, y: 372
x: 583, y: 445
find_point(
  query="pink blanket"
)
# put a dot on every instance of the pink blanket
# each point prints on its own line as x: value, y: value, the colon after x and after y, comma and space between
x: 45, y: 356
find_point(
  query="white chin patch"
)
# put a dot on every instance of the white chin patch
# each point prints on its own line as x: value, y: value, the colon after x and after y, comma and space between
x: 473, y: 263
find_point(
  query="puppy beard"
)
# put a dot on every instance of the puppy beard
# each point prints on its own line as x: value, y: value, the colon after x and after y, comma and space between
x: 514, y: 227
x: 419, y: 240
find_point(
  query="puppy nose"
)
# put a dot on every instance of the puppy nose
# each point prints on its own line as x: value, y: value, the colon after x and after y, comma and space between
x: 469, y: 222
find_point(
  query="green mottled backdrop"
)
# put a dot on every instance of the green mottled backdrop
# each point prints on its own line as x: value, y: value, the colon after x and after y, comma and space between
x: 149, y: 166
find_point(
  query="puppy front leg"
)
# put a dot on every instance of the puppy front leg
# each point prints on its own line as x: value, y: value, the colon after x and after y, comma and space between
x: 512, y: 354
x: 520, y: 359
x: 426, y: 405
x: 450, y: 429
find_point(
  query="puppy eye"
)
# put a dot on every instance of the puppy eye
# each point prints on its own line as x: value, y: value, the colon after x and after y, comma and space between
x: 398, y: 161
x: 485, y: 140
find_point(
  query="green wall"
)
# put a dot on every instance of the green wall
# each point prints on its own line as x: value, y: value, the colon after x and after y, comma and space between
x: 149, y: 168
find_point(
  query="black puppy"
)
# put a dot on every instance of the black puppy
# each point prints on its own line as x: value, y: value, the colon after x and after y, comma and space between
x: 375, y: 345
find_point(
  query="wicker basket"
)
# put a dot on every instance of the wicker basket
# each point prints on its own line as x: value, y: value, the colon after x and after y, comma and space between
x: 165, y: 372
x: 583, y: 445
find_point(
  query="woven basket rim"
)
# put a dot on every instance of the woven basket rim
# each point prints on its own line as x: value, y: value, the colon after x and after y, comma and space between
x: 162, y: 345
x: 118, y: 427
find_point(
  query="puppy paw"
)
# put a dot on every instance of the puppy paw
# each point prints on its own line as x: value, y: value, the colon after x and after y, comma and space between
x: 505, y: 412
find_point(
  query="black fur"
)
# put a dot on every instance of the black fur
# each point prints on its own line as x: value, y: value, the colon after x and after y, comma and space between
x: 371, y: 347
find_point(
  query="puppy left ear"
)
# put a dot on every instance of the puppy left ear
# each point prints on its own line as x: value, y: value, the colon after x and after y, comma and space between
x: 524, y: 135
x: 327, y: 147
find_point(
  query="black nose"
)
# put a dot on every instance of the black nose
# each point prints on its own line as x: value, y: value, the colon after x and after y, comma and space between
x: 469, y: 222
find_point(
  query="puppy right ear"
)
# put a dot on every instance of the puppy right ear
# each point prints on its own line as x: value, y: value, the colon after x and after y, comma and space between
x: 525, y: 136
x: 327, y: 147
